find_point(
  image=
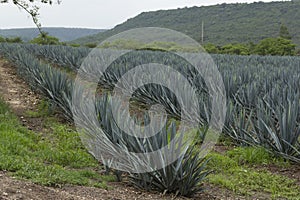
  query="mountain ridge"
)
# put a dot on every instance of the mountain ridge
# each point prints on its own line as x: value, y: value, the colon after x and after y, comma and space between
x: 223, y: 23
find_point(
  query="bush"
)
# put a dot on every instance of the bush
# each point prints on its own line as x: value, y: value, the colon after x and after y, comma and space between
x: 276, y: 46
x: 75, y: 45
x: 91, y: 45
x: 45, y: 39
x: 2, y: 39
x: 11, y: 40
x: 237, y: 49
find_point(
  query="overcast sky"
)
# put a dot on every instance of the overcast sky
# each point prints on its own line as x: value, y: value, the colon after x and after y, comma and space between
x: 94, y: 13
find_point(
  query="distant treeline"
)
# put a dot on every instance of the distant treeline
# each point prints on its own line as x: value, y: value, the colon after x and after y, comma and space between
x: 11, y: 40
x: 269, y: 46
x: 63, y: 34
x: 281, y: 46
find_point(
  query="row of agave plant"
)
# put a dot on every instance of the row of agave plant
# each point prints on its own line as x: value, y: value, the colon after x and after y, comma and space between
x: 262, y: 93
x: 60, y: 55
x: 262, y: 104
x: 183, y: 177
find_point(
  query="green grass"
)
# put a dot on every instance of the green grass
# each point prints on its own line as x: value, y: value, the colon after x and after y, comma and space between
x: 255, y: 156
x: 233, y: 171
x: 54, y: 158
x: 43, y: 110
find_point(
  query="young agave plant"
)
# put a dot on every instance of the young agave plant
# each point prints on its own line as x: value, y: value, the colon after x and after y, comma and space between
x: 278, y: 128
x: 183, y: 177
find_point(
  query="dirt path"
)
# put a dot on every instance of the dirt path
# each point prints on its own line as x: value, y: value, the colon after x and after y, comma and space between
x: 11, y: 188
x: 18, y: 95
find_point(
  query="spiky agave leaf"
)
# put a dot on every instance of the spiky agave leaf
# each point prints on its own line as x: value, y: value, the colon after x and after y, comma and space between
x: 183, y: 177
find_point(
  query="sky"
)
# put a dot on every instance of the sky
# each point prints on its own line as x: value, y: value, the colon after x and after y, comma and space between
x: 99, y: 14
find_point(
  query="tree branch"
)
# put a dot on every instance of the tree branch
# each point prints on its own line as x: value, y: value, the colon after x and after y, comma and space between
x: 33, y: 10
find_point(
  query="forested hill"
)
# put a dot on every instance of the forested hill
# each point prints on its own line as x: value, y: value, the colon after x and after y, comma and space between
x: 223, y: 24
x: 63, y: 34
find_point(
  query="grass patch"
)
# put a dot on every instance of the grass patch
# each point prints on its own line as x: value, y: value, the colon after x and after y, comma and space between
x: 43, y: 110
x: 53, y: 159
x: 231, y: 172
x: 255, y: 156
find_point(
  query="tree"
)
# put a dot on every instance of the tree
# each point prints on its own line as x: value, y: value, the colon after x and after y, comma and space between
x: 11, y: 40
x: 45, y: 39
x: 238, y: 49
x: 2, y: 39
x: 91, y: 45
x: 275, y: 46
x: 284, y: 32
x: 14, y: 40
x: 211, y: 48
x: 31, y: 8
x: 251, y: 46
x: 75, y: 45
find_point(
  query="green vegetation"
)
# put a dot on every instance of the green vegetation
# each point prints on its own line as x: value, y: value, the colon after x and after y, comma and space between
x: 284, y: 32
x: 255, y: 100
x: 231, y: 171
x: 57, y: 158
x: 63, y: 34
x: 189, y: 171
x: 254, y: 156
x: 223, y: 23
x: 44, y: 110
x: 275, y: 46
x: 75, y: 45
x: 262, y: 110
x: 11, y: 40
x: 45, y: 39
x: 153, y: 46
x: 233, y: 49
x: 52, y: 158
x: 237, y: 49
x: 269, y: 46
x: 280, y: 46
x: 262, y: 116
x: 183, y: 177
x: 91, y: 45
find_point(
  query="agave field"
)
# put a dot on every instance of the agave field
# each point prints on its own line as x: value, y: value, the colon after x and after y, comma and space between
x: 263, y: 105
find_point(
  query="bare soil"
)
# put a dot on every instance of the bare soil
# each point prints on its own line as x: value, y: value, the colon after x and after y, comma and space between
x: 19, y: 96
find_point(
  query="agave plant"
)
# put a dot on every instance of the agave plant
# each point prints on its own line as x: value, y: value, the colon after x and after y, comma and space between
x: 52, y: 83
x: 263, y: 95
x: 183, y: 177
x: 278, y: 129
x: 59, y: 55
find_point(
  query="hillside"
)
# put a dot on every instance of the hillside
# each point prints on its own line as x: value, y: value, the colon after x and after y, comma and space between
x: 225, y: 23
x: 64, y: 34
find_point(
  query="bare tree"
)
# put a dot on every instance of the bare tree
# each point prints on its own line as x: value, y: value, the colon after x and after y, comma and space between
x: 32, y: 9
